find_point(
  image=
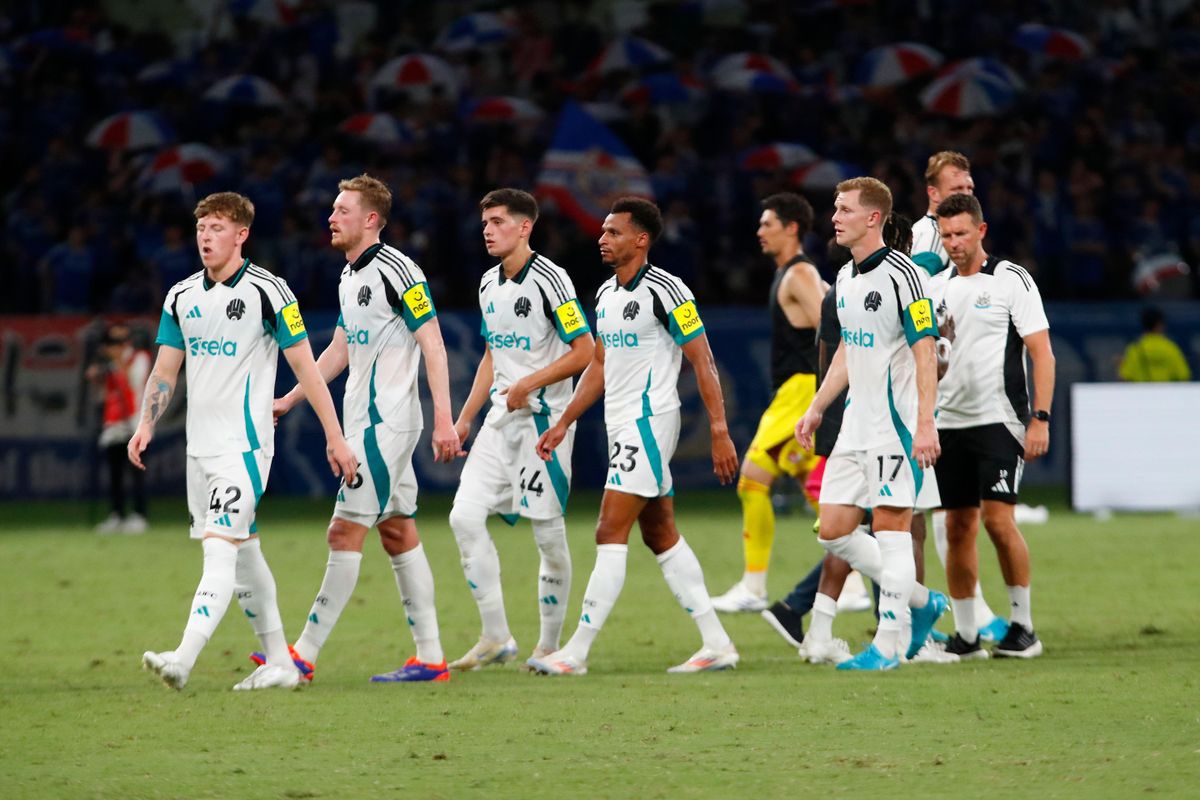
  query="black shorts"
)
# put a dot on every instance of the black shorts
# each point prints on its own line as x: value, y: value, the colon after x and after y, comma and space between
x: 984, y: 462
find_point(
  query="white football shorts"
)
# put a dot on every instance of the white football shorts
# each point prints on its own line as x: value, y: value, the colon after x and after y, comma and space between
x: 223, y: 493
x: 385, y: 485
x: 639, y: 455
x: 882, y: 476
x: 505, y: 475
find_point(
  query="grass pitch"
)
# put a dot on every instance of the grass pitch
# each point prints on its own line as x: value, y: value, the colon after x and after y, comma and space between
x: 1109, y: 711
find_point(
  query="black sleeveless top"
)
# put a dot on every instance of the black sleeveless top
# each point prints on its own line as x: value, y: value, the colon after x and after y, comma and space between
x: 793, y: 349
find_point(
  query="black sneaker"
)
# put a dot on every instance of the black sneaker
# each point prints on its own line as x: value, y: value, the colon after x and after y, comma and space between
x: 1019, y: 642
x: 787, y: 623
x: 965, y: 650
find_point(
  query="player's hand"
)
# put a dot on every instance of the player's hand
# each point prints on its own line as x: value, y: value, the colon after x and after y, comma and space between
x: 946, y: 329
x: 138, y: 444
x: 807, y: 426
x: 446, y: 443
x: 462, y: 429
x: 341, y: 458
x: 1037, y: 439
x: 279, y: 407
x: 926, y: 447
x: 516, y: 396
x: 550, y: 440
x: 725, y: 460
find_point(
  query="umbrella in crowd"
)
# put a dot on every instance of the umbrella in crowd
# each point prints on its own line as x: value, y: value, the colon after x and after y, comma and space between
x: 781, y: 155
x: 504, y: 109
x: 824, y: 174
x: 377, y: 128
x: 977, y: 87
x: 268, y: 12
x: 664, y: 88
x: 473, y: 31
x: 1052, y: 42
x: 245, y: 90
x: 180, y: 167
x: 894, y: 64
x: 163, y: 72
x: 130, y: 130
x: 628, y: 53
x: 416, y: 71
x: 605, y: 112
x: 753, y: 72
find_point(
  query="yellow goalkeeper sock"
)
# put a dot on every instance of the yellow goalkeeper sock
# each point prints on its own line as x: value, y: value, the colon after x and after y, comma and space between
x: 758, y: 523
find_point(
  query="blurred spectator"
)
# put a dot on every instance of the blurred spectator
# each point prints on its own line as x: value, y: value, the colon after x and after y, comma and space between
x: 1154, y: 357
x: 66, y: 273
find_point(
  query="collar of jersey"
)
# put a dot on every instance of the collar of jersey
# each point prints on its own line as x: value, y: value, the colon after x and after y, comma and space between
x: 637, y: 278
x: 520, y: 276
x: 799, y: 258
x: 987, y: 268
x: 232, y: 280
x: 872, y: 261
x: 367, y: 257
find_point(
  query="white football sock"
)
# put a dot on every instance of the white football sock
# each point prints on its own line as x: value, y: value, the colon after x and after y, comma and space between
x: 896, y: 581
x: 824, y: 611
x: 965, y: 619
x: 860, y: 550
x: 603, y: 589
x: 983, y: 612
x: 684, y: 575
x: 755, y: 583
x: 341, y: 576
x: 1018, y: 597
x: 255, y: 588
x: 554, y: 579
x: 414, y: 579
x: 940, y: 542
x: 481, y: 567
x: 211, y: 599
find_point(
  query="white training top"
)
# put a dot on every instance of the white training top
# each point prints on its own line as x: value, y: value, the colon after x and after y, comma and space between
x: 643, y: 326
x: 883, y: 309
x: 230, y: 334
x: 528, y: 323
x: 384, y: 298
x: 993, y: 311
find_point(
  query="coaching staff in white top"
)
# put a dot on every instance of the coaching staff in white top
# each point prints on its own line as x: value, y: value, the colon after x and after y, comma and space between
x: 984, y: 421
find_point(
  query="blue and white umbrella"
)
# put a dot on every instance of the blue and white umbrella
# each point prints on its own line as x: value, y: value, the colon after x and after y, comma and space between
x: 473, y: 31
x: 894, y: 64
x: 976, y: 87
x: 630, y: 54
x: 754, y: 72
x: 664, y: 88
x: 246, y: 90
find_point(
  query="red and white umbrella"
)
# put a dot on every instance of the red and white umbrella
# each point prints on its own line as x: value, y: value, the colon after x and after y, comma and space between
x: 894, y: 64
x: 377, y: 128
x: 664, y: 88
x: 246, y: 90
x: 268, y: 12
x: 976, y: 87
x: 824, y: 174
x: 780, y: 155
x: 628, y: 53
x: 605, y: 112
x: 180, y: 167
x: 1052, y: 42
x: 754, y: 72
x: 417, y: 71
x: 130, y: 130
x: 480, y: 29
x: 504, y: 109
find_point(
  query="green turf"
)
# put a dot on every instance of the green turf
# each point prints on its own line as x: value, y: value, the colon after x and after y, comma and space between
x: 1109, y: 711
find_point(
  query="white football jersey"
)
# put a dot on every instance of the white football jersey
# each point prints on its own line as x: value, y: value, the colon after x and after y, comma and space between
x: 230, y: 334
x: 384, y: 298
x: 642, y: 327
x: 528, y: 323
x: 928, y: 251
x: 993, y: 311
x: 883, y: 310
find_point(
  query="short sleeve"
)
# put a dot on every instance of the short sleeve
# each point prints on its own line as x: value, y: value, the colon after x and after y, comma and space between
x: 341, y: 323
x: 289, y: 326
x: 683, y: 318
x: 929, y: 261
x: 570, y: 321
x: 416, y: 306
x: 1025, y: 304
x: 916, y: 309
x: 168, y: 331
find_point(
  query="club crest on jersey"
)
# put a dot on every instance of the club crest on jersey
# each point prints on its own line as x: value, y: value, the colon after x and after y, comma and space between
x: 631, y: 310
x: 983, y: 301
x: 236, y: 309
x: 364, y: 296
x: 873, y: 301
x: 522, y: 307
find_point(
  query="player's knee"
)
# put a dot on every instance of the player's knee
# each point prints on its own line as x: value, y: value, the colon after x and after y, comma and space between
x: 999, y: 521
x: 747, y: 486
x: 760, y: 467
x: 344, y: 535
x: 467, y: 521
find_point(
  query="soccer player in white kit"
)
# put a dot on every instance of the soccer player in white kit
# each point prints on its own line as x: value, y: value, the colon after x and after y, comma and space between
x: 646, y: 319
x: 985, y: 423
x: 387, y: 322
x: 536, y: 338
x: 946, y: 173
x: 887, y: 437
x: 228, y: 323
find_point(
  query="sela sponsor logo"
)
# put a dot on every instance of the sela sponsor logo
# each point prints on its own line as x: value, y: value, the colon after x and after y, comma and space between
x: 357, y: 335
x: 858, y: 338
x: 619, y: 338
x: 199, y: 346
x: 507, y: 341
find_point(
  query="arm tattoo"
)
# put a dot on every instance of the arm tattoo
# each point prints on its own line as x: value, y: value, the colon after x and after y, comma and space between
x: 158, y: 397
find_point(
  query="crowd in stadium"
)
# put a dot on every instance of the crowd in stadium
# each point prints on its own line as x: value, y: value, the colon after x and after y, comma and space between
x: 93, y: 229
